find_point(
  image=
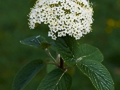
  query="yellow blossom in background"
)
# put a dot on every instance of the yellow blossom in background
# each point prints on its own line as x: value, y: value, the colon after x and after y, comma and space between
x: 111, y: 24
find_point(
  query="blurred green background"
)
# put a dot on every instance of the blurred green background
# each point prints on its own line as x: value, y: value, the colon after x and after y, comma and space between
x: 14, y: 27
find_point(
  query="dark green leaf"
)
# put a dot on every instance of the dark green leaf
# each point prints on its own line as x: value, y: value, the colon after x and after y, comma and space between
x: 56, y: 80
x: 86, y: 51
x: 50, y: 67
x: 70, y: 50
x: 97, y: 73
x: 53, y: 46
x: 36, y: 41
x: 27, y: 73
x: 67, y: 47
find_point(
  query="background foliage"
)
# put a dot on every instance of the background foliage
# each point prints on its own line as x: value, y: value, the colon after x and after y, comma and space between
x: 14, y: 27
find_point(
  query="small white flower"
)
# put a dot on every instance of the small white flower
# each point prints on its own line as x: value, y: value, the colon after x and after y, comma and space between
x: 64, y: 17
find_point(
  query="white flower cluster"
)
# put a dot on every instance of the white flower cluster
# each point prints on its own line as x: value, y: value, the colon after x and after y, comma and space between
x: 64, y: 17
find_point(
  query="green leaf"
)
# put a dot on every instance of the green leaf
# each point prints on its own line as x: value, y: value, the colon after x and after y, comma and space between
x: 97, y: 73
x: 36, y: 41
x: 27, y: 73
x: 67, y: 47
x: 56, y: 80
x: 53, y: 46
x: 50, y: 67
x: 86, y: 51
x: 70, y: 50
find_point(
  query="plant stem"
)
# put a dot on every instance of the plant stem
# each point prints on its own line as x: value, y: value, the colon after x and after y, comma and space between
x: 49, y: 54
x: 61, y: 63
x: 58, y: 58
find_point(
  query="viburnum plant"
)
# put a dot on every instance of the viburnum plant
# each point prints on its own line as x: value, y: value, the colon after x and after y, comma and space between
x: 68, y: 21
